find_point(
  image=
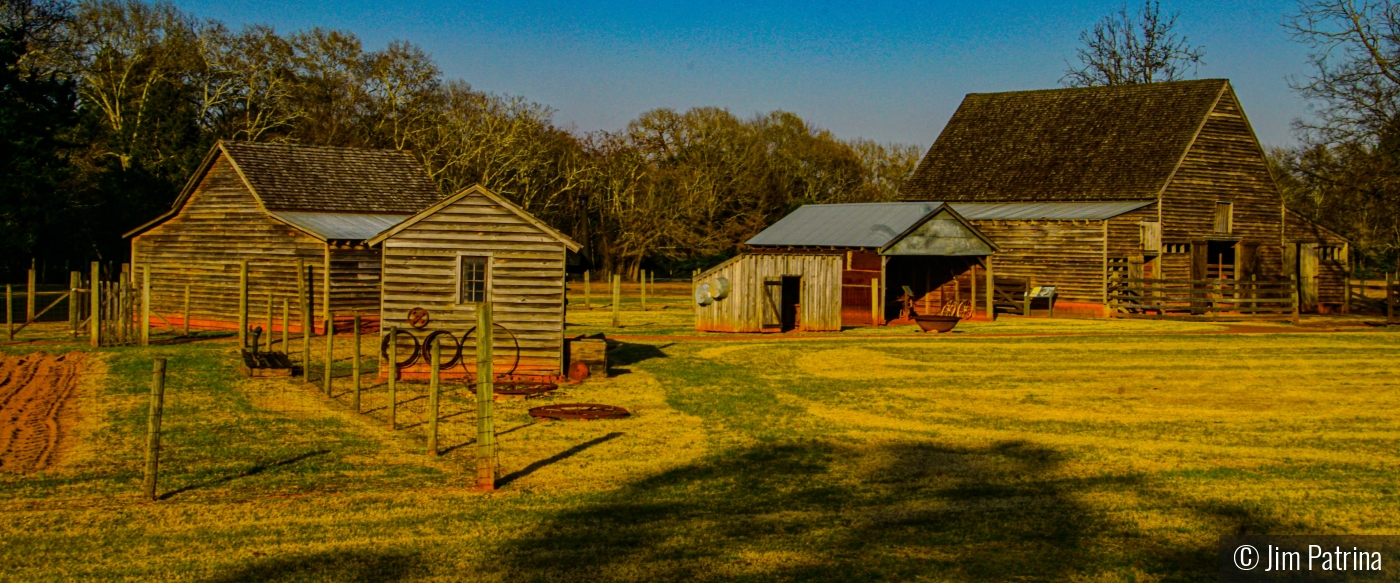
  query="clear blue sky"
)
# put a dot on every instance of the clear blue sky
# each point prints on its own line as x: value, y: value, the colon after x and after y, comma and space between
x: 882, y: 70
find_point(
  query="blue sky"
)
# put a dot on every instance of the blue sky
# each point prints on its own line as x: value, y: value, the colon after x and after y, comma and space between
x: 882, y: 70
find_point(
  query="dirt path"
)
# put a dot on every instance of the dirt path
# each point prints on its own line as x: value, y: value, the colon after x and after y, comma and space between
x: 34, y: 389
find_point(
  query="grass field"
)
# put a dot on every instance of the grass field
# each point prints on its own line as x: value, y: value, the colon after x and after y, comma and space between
x: 1088, y: 451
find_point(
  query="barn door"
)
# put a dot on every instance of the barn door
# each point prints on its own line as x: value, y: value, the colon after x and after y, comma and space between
x: 1200, y: 259
x: 1247, y: 262
x: 1307, y: 276
x: 772, y: 302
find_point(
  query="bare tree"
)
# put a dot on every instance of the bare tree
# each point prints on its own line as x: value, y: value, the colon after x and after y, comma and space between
x: 1129, y: 48
x: 1355, y: 83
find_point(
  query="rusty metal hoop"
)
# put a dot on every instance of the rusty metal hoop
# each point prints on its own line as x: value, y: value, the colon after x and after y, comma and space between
x: 412, y: 354
x: 428, y: 349
x: 514, y: 340
x: 418, y: 318
x: 578, y: 412
x: 523, y: 388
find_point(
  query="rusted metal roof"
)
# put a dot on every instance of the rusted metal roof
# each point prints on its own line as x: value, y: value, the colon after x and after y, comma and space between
x: 1048, y: 211
x: 345, y: 226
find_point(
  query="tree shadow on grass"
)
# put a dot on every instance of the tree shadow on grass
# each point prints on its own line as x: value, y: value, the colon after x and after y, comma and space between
x: 349, y: 566
x: 556, y: 458
x: 815, y: 511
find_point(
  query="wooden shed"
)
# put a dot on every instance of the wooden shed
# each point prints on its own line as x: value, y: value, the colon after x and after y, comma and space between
x: 272, y: 205
x: 1184, y: 150
x: 474, y: 246
x: 813, y: 269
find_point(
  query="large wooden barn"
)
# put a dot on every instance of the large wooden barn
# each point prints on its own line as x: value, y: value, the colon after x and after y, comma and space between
x: 813, y: 269
x: 272, y: 205
x: 1183, y: 151
x: 470, y: 247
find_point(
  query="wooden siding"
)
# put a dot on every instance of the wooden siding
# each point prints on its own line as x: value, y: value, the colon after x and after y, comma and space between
x: 1332, y: 266
x: 742, y: 310
x: 526, y: 280
x: 1066, y: 254
x: 1224, y: 164
x: 202, y: 244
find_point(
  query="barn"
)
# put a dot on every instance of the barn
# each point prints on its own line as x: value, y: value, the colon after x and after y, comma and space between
x: 471, y: 247
x: 274, y: 205
x: 1183, y: 155
x: 814, y: 269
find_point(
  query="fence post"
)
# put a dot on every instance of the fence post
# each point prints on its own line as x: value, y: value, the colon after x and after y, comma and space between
x: 29, y: 293
x: 644, y: 290
x: 95, y: 320
x: 330, y: 355
x: 286, y: 348
x: 267, y: 332
x: 1346, y: 293
x: 485, y: 400
x: 434, y: 392
x: 1390, y: 299
x: 991, y: 291
x: 1294, y: 288
x: 305, y: 306
x: 1026, y: 295
x: 153, y: 427
x: 1052, y: 304
x: 243, y: 305
x: 9, y: 313
x: 75, y: 281
x: 587, y: 292
x: 355, y: 367
x: 187, y: 309
x: 874, y: 302
x: 393, y: 372
x: 616, y: 300
x: 145, y: 305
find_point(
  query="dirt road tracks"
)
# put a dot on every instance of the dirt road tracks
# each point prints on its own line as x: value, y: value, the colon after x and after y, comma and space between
x: 34, y: 391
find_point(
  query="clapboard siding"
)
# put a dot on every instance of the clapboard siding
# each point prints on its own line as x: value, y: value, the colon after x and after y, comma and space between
x: 1066, y: 254
x: 527, y: 280
x: 1333, y: 270
x: 742, y: 310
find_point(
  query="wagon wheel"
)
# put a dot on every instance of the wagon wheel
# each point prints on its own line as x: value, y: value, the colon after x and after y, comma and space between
x: 514, y: 340
x: 412, y: 353
x: 428, y: 349
x: 964, y: 309
x: 418, y: 318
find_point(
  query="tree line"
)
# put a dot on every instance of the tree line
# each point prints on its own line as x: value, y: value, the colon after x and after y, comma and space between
x: 109, y: 105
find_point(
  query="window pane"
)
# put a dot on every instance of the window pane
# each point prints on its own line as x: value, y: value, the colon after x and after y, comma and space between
x: 473, y: 280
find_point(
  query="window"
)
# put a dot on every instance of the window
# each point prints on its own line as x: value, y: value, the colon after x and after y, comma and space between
x: 1223, y: 217
x: 473, y: 278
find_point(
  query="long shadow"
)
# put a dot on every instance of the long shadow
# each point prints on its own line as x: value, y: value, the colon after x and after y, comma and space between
x: 253, y: 471
x: 558, y: 457
x: 908, y: 510
x: 630, y: 353
x: 351, y: 566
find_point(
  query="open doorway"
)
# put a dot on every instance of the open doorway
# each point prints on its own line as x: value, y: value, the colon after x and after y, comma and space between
x: 791, y: 307
x: 1220, y: 260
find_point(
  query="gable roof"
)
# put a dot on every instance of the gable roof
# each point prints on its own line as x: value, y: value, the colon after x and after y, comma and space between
x: 872, y: 225
x: 481, y: 190
x: 1096, y: 143
x: 293, y: 180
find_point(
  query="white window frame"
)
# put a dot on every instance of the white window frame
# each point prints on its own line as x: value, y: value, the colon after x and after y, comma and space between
x: 457, y: 268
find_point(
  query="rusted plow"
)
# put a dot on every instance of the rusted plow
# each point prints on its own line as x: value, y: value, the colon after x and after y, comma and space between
x: 578, y: 412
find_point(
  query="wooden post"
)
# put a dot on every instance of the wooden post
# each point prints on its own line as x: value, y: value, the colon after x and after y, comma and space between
x: 617, y: 300
x: 434, y: 391
x: 153, y: 427
x: 29, y: 293
x: 972, y: 298
x: 355, y: 366
x: 1346, y: 293
x: 95, y: 321
x: 286, y: 348
x: 1052, y: 304
x: 991, y: 291
x: 587, y: 292
x: 1390, y: 299
x: 9, y: 313
x: 875, y: 302
x: 653, y: 284
x: 485, y: 400
x: 243, y: 304
x: 267, y: 332
x: 304, y: 302
x: 330, y: 355
x: 393, y: 359
x: 326, y: 293
x: 1296, y: 309
x: 75, y: 281
x: 643, y: 287
x: 1026, y: 295
x: 145, y: 305
x: 187, y: 309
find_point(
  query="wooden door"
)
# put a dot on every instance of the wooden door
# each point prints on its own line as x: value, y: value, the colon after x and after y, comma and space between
x: 1307, y: 276
x: 772, y: 302
x: 1200, y: 259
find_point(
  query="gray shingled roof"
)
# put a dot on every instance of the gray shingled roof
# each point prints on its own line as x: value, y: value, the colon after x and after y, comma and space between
x: 1098, y: 143
x: 327, y: 180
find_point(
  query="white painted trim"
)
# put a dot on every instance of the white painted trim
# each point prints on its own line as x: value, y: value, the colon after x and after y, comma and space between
x: 490, y: 258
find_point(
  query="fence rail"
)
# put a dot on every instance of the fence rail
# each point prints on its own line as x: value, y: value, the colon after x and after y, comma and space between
x: 1203, y: 297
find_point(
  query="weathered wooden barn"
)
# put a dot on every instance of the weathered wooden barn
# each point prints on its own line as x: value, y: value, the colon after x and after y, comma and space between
x: 471, y: 247
x: 272, y: 205
x: 1183, y: 151
x: 813, y: 269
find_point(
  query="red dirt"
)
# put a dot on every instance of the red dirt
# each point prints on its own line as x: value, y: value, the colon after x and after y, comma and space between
x: 34, y: 390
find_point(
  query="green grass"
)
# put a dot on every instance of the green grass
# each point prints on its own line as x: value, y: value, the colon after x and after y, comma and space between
x: 1119, y: 451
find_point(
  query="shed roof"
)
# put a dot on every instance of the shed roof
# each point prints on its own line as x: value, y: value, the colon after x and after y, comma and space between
x: 1097, y: 143
x: 346, y: 226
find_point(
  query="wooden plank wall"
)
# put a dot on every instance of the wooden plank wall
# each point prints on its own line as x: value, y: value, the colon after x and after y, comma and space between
x: 1224, y: 164
x: 1332, y: 269
x: 220, y: 225
x: 742, y: 311
x: 527, y: 281
x: 354, y: 283
x: 1065, y: 254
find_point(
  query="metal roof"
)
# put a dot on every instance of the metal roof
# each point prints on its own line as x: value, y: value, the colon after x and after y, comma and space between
x: 871, y: 224
x: 1049, y: 211
x: 351, y: 226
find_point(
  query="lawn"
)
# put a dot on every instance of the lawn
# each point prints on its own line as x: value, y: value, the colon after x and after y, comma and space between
x: 1036, y: 449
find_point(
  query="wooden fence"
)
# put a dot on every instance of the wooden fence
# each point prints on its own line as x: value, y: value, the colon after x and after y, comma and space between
x: 1373, y: 297
x: 1209, y: 298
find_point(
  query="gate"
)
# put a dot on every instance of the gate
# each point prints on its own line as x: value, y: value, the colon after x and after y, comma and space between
x: 115, y: 311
